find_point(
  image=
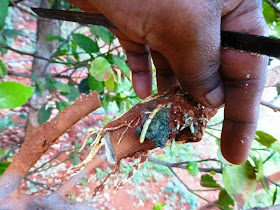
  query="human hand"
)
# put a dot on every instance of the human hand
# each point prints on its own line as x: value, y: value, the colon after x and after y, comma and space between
x: 183, y: 38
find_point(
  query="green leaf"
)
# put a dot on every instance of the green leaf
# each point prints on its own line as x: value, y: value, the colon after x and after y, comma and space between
x: 51, y: 37
x: 61, y: 105
x: 278, y: 90
x: 87, y: 44
x: 269, y: 13
x: 110, y: 84
x: 73, y: 94
x: 44, y: 114
x: 3, y: 69
x: 192, y: 168
x: 260, y: 175
x: 114, y: 59
x: 11, y: 33
x: 4, y: 4
x: 274, y: 196
x: 50, y: 83
x: 208, y: 181
x: 268, y: 140
x: 3, y: 41
x: 39, y: 85
x: 84, y: 181
x: 84, y: 86
x: 100, y: 69
x: 159, y: 206
x: 225, y: 200
x: 240, y: 181
x: 95, y: 85
x: 103, y: 33
x: 63, y: 87
x: 74, y: 158
x: 3, y: 167
x: 14, y: 94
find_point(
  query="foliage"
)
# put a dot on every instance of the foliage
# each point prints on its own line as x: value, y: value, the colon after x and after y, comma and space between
x: 208, y: 181
x: 240, y: 181
x: 159, y: 206
x: 14, y: 94
x: 89, y: 59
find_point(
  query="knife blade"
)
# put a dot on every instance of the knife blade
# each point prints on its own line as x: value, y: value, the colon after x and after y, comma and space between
x: 229, y: 39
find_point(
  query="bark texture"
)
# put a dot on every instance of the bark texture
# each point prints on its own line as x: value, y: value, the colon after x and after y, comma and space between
x: 41, y: 68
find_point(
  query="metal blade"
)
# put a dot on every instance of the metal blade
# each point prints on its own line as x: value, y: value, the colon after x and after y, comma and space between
x: 79, y: 17
x: 229, y: 39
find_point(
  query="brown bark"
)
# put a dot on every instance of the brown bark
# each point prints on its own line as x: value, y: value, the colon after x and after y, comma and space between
x: 41, y: 68
x: 34, y: 147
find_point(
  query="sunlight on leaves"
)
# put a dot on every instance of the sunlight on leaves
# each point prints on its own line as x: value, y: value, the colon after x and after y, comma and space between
x: 14, y: 94
x: 100, y: 69
x: 240, y: 181
x: 268, y: 140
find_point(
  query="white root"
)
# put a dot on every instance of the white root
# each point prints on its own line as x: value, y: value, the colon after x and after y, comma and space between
x: 148, y: 122
x: 96, y: 130
x: 128, y: 126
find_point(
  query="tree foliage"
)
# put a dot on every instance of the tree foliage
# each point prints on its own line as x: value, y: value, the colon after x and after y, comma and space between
x: 89, y: 58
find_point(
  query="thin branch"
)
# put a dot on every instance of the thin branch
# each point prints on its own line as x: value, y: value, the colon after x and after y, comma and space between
x: 191, y: 191
x: 270, y: 105
x: 169, y: 166
x: 31, y: 54
x: 273, y: 5
x: 270, y: 156
x: 276, y: 184
x: 23, y: 53
x: 208, y: 190
x: 11, y: 150
x: 35, y: 183
x: 197, y: 161
x: 64, y: 42
x: 22, y: 9
x: 47, y: 162
x: 213, y: 125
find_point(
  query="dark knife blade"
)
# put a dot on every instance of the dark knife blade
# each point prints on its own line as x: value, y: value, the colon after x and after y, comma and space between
x: 229, y: 39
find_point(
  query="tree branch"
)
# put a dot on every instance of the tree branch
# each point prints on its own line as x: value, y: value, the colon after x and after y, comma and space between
x: 270, y: 105
x: 44, y: 136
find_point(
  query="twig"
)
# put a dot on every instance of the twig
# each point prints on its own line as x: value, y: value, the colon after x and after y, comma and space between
x: 17, y: 61
x: 64, y: 42
x: 22, y: 9
x: 23, y: 53
x: 270, y: 156
x: 197, y: 161
x: 207, y: 190
x: 11, y: 150
x: 35, y: 183
x: 275, y: 99
x: 32, y: 55
x: 191, y: 191
x: 170, y: 167
x: 276, y: 184
x: 183, y: 164
x: 210, y: 134
x: 273, y: 5
x: 213, y: 125
x: 270, y: 105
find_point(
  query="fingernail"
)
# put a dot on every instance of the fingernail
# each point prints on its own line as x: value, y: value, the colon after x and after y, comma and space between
x: 216, y: 97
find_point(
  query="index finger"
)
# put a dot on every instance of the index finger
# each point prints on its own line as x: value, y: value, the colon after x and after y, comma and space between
x: 244, y: 77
